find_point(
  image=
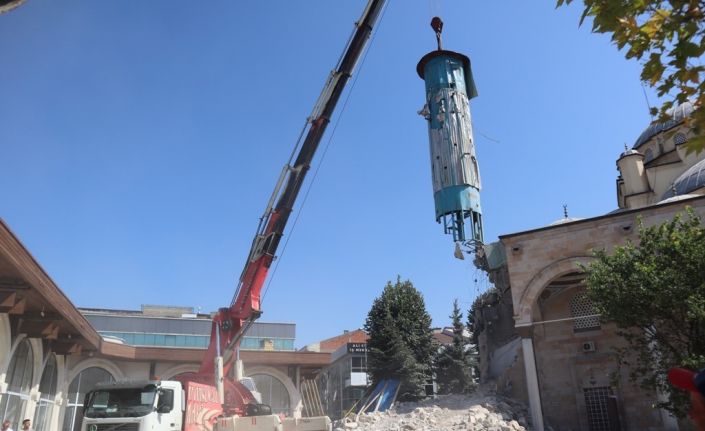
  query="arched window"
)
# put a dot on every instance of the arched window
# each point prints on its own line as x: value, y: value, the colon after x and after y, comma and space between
x: 19, y: 381
x: 273, y: 392
x: 82, y: 383
x: 47, y: 389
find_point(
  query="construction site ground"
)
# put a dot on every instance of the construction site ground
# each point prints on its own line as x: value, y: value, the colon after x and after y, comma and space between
x: 482, y: 410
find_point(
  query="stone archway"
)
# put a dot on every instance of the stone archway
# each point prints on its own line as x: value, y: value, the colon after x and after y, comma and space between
x: 47, y: 394
x: 73, y: 401
x: 174, y: 371
x: 18, y: 385
x: 295, y: 404
x: 98, y: 363
x: 526, y: 308
x: 5, y: 345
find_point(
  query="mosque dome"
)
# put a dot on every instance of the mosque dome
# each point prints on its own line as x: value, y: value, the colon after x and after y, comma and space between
x: 689, y: 181
x: 629, y: 153
x: 565, y: 220
x: 677, y: 198
x: 678, y: 114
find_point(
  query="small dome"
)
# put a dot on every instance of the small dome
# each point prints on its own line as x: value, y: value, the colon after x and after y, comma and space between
x: 630, y: 152
x: 565, y: 220
x: 678, y: 114
x: 627, y: 152
x: 689, y: 181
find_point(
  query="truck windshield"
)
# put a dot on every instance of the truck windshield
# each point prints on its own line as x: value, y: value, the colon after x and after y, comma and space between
x: 121, y: 402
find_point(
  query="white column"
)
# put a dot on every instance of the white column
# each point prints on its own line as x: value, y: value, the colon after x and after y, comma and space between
x: 532, y: 383
x: 239, y: 370
x: 31, y: 405
x: 54, y: 419
x: 297, y: 383
x: 5, y: 349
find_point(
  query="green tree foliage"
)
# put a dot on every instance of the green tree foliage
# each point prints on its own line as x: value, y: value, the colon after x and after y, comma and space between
x: 455, y: 363
x: 401, y: 342
x: 668, y: 37
x: 655, y: 293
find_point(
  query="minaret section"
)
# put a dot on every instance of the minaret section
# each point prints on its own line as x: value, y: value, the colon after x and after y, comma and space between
x: 634, y: 188
x: 454, y: 166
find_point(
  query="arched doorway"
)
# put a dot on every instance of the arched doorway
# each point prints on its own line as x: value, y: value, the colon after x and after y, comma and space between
x: 82, y: 383
x: 273, y: 391
x: 47, y: 397
x: 19, y: 383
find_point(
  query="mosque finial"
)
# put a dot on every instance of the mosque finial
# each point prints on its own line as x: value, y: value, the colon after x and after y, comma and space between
x: 565, y: 210
x: 625, y: 147
x: 437, y: 26
x: 673, y: 189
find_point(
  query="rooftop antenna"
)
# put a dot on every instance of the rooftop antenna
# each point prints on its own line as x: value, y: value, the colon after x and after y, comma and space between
x: 437, y: 26
x: 648, y: 105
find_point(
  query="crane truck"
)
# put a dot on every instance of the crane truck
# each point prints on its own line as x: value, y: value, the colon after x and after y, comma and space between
x: 217, y: 397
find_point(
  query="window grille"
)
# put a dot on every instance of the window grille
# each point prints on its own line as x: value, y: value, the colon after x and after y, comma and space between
x: 648, y: 155
x: 679, y: 139
x: 601, y: 405
x: 581, y: 308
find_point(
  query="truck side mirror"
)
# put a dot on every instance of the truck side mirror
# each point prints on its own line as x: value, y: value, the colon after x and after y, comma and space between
x: 166, y: 401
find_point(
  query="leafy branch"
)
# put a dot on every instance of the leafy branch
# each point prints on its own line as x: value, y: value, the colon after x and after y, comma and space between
x: 668, y: 38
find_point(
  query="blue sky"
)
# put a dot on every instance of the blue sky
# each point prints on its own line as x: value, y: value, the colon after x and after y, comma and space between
x: 141, y: 141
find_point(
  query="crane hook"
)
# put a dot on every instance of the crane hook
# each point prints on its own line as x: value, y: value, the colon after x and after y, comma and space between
x: 437, y: 26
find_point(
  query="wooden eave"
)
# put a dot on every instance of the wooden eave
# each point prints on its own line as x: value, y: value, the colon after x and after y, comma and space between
x: 29, y: 295
x: 42, y: 310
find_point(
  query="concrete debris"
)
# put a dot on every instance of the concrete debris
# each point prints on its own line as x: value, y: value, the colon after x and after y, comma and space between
x: 482, y: 410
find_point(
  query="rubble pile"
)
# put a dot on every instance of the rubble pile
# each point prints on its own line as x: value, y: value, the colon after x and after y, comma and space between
x: 480, y: 411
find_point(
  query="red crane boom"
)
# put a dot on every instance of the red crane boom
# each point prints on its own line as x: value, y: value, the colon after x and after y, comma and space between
x: 230, y: 323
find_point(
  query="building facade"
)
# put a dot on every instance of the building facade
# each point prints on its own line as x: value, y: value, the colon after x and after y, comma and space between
x: 51, y: 353
x: 658, y: 166
x: 538, y: 335
x: 341, y: 384
x: 344, y: 382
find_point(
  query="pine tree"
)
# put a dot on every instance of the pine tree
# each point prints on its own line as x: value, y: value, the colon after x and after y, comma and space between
x: 401, y: 342
x: 455, y: 364
x: 471, y: 347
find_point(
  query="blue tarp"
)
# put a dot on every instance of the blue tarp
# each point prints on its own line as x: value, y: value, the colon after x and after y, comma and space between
x: 381, y: 398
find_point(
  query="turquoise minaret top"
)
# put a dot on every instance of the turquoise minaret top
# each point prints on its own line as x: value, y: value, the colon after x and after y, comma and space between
x: 454, y: 167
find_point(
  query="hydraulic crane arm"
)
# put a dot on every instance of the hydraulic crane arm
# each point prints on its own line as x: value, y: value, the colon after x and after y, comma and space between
x: 230, y: 323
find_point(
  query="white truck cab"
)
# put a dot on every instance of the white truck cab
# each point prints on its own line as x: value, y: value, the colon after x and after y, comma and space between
x: 134, y: 406
x: 162, y: 405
